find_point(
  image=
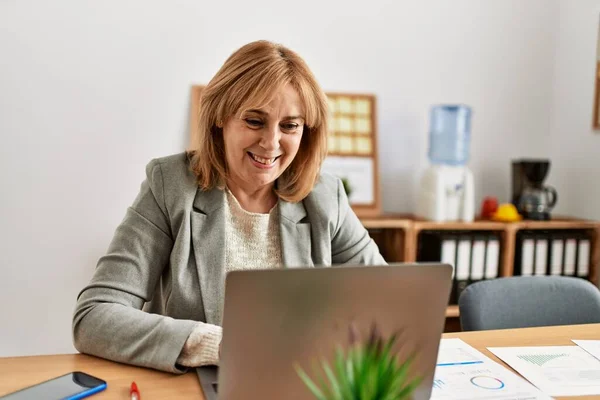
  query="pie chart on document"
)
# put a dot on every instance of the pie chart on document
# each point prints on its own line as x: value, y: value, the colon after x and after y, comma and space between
x: 487, y: 382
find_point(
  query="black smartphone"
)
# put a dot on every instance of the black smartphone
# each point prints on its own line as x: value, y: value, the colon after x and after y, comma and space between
x: 72, y: 386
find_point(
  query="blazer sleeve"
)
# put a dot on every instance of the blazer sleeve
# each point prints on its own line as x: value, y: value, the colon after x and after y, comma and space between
x: 108, y: 320
x: 351, y: 243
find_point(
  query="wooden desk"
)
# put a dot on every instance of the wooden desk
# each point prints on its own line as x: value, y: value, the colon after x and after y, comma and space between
x: 18, y: 372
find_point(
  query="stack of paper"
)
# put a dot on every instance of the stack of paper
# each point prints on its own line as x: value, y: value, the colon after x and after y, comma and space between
x: 556, y: 370
x: 462, y: 372
x: 591, y: 346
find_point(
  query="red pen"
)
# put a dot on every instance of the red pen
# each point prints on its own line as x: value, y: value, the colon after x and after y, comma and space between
x: 134, y: 393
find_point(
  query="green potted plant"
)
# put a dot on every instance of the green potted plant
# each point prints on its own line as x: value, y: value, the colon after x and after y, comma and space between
x: 347, y: 187
x: 367, y: 370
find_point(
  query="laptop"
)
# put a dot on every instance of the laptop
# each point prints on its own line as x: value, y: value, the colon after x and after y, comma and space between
x: 275, y: 321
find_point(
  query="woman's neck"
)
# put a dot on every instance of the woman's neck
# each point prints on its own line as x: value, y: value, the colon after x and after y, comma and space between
x: 256, y: 200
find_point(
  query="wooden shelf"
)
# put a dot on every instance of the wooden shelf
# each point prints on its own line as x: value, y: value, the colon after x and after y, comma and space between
x: 384, y: 223
x: 408, y: 221
x: 557, y: 223
x: 452, y: 311
x: 397, y: 236
x: 460, y: 226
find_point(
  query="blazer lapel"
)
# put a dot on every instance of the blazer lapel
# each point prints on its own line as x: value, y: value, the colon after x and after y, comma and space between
x: 295, y: 235
x: 208, y: 239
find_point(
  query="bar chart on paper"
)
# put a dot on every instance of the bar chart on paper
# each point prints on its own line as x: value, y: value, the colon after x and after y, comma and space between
x: 541, y: 359
x: 557, y: 370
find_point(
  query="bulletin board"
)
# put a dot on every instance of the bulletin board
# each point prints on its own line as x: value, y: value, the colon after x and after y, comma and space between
x: 352, y: 149
x: 352, y: 146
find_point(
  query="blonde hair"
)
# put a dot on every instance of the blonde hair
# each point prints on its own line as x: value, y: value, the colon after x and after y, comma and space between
x: 247, y: 80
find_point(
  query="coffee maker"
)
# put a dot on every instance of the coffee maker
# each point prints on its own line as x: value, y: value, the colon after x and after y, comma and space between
x: 532, y: 199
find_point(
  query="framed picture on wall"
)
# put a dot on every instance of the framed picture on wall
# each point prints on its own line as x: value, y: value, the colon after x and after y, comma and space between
x: 352, y: 149
x: 352, y: 146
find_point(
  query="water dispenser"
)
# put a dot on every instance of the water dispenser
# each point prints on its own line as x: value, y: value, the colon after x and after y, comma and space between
x: 446, y: 190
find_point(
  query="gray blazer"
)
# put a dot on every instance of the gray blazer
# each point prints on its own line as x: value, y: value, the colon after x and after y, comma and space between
x: 164, y: 271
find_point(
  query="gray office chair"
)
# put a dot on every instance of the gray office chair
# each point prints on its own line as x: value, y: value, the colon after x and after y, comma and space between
x: 528, y: 301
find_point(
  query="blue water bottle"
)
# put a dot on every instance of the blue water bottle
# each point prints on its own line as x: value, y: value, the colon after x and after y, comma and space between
x: 449, y: 134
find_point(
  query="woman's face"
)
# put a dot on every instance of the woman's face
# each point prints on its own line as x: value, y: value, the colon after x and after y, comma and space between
x: 261, y: 144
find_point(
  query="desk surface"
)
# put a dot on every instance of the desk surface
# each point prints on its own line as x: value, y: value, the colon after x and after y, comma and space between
x: 18, y: 372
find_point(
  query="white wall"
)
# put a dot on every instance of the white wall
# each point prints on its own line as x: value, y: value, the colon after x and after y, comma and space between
x: 575, y: 146
x: 90, y: 91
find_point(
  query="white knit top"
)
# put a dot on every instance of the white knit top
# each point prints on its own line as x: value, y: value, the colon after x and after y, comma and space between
x: 252, y: 241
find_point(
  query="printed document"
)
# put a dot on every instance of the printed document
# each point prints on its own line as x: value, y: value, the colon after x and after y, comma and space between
x: 462, y: 372
x: 591, y: 346
x: 557, y: 370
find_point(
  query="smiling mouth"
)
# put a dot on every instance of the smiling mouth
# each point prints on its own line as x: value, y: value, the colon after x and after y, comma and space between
x: 264, y: 161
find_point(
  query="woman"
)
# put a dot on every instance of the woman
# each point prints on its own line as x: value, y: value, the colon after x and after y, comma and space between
x: 250, y: 196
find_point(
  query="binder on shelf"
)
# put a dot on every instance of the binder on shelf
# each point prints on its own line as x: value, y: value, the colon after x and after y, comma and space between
x: 566, y: 252
x: 448, y: 252
x: 478, y: 259
x: 541, y: 254
x: 492, y: 257
x: 556, y: 254
x: 524, y: 253
x: 463, y: 264
x: 474, y: 255
x: 569, y: 266
x: 527, y: 255
x: 448, y: 256
x: 583, y: 256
